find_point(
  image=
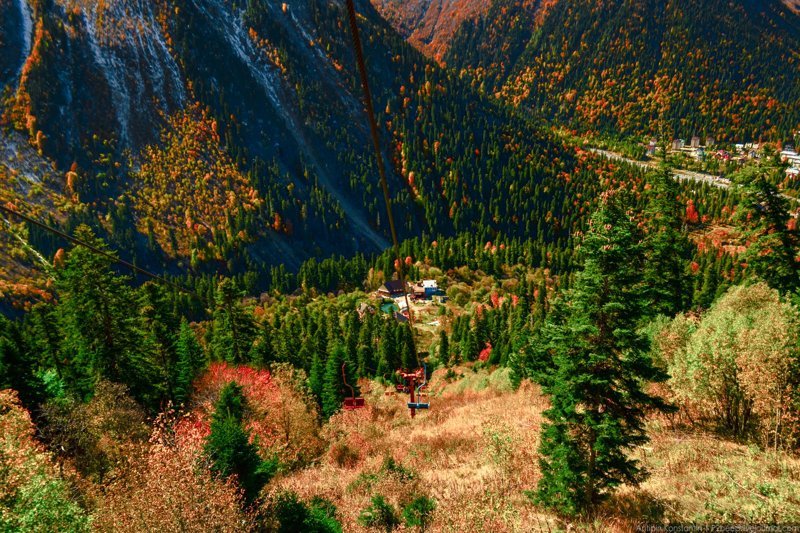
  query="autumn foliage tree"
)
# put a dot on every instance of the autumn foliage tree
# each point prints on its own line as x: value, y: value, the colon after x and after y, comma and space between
x: 172, y: 487
x: 189, y: 192
x: 32, y: 495
x: 737, y: 366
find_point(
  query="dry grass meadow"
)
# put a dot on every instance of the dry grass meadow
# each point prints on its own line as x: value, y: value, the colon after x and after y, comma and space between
x: 475, y: 453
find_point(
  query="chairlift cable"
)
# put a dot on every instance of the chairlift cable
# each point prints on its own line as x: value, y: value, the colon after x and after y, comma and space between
x: 98, y: 251
x: 362, y: 70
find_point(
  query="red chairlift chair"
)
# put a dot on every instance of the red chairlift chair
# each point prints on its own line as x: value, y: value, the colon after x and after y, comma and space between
x: 352, y: 403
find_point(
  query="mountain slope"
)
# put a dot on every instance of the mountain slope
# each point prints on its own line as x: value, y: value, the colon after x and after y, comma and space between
x: 148, y: 110
x: 705, y: 67
x: 430, y: 24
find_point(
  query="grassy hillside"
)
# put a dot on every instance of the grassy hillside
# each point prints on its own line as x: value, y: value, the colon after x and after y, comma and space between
x: 475, y: 454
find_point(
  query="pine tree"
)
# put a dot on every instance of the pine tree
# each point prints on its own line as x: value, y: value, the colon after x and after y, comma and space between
x: 262, y: 354
x: 316, y: 377
x: 229, y: 448
x: 469, y: 346
x: 775, y: 243
x: 667, y: 247
x: 405, y: 340
x: 17, y: 367
x: 191, y: 361
x: 333, y: 388
x: 161, y: 322
x: 600, y: 364
x: 366, y: 350
x: 388, y: 354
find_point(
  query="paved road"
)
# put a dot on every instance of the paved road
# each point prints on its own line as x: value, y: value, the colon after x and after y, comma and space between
x: 683, y: 175
x: 716, y: 181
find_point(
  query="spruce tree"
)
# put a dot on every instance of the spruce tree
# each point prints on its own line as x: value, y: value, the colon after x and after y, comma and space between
x: 316, y: 377
x: 191, y: 361
x: 262, y: 353
x: 333, y: 388
x: 775, y: 243
x: 388, y: 354
x: 17, y: 366
x: 234, y: 328
x: 667, y: 247
x: 103, y: 334
x: 161, y: 324
x: 229, y: 448
x: 366, y: 350
x: 444, y: 347
x: 469, y: 346
x: 405, y: 341
x: 599, y: 366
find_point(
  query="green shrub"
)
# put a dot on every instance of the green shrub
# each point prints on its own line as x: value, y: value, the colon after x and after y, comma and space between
x: 393, y: 468
x: 419, y: 512
x: 294, y: 515
x: 380, y: 514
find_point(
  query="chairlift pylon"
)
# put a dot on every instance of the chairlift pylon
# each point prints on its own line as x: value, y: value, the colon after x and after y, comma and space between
x: 417, y: 384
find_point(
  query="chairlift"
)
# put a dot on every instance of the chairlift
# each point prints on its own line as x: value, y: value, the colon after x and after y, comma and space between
x: 417, y: 392
x: 353, y: 402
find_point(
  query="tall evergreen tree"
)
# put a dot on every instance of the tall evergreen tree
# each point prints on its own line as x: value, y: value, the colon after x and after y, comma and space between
x: 600, y: 364
x: 775, y: 242
x: 17, y: 366
x: 229, y: 448
x: 667, y: 247
x: 102, y: 328
x: 444, y: 347
x: 234, y: 328
x: 262, y: 353
x: 191, y: 361
x: 405, y: 340
x: 388, y: 354
x: 333, y: 388
x: 161, y: 323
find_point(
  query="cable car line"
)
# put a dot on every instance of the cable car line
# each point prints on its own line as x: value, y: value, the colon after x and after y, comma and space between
x: 373, y: 126
x: 98, y: 251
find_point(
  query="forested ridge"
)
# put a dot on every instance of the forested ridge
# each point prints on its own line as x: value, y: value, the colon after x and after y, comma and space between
x: 279, y: 130
x: 668, y: 69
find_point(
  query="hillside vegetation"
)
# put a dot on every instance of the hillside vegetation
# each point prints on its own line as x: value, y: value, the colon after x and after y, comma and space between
x: 722, y: 69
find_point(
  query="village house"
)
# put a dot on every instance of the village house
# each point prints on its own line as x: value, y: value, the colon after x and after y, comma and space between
x: 392, y: 289
x: 417, y: 291
x: 791, y: 157
x: 430, y: 288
